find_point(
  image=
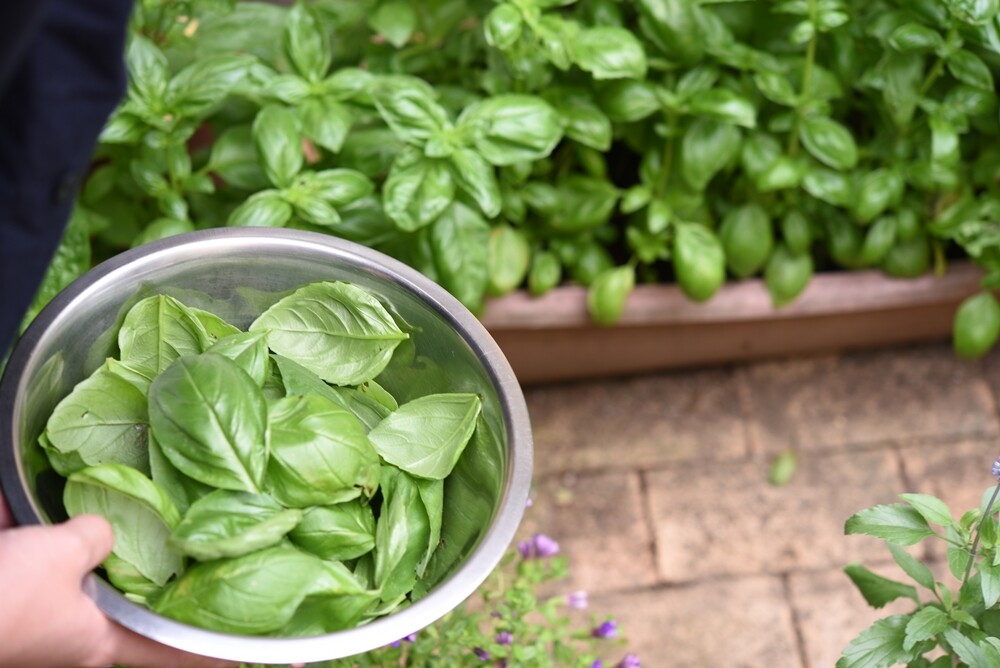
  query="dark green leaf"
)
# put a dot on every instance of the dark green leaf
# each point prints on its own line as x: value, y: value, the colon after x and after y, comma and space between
x: 932, y: 509
x: 915, y: 37
x: 776, y: 87
x: 903, y: 74
x: 829, y: 142
x: 708, y: 146
x: 924, y: 625
x: 675, y: 27
x: 877, y: 191
x: 629, y: 101
x: 989, y: 581
x: 969, y: 68
x: 976, y: 326
x: 831, y: 187
x: 966, y: 649
x: 585, y: 122
x: 878, y: 590
x: 920, y: 573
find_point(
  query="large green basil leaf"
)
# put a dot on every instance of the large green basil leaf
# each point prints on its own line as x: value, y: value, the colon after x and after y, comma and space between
x: 477, y: 178
x: 417, y: 190
x: 103, y: 420
x: 508, y: 259
x: 725, y: 105
x: 969, y: 68
x: 156, y: 331
x: 306, y: 43
x: 747, y: 237
x: 326, y: 613
x: 830, y: 142
x: 426, y: 436
x: 225, y: 523
x: 253, y: 594
x: 408, y: 107
x: 320, y: 454
x: 181, y: 489
x: 699, y: 261
x: 629, y: 101
x: 513, y: 128
x: 432, y: 496
x: 503, y: 26
x: 608, y: 292
x: 205, y: 83
x: 402, y: 534
x: 460, y: 239
x: 903, y: 74
x: 297, y: 380
x: 585, y: 203
x: 140, y: 513
x: 209, y: 418
x: 276, y: 135
x: 339, y: 330
x: 675, y: 27
x: 586, y: 123
x: 215, y: 327
x: 830, y: 186
x: 342, y: 531
x: 339, y: 187
x: 326, y: 121
x: 395, y: 20
x: 149, y: 72
x: 126, y: 577
x: 609, y: 52
x: 234, y: 159
x: 249, y: 351
x: 877, y: 191
x: 708, y: 146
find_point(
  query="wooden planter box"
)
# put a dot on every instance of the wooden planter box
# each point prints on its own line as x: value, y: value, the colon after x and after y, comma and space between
x: 551, y: 338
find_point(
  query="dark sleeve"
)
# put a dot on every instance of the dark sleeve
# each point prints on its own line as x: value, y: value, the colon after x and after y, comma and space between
x: 63, y: 76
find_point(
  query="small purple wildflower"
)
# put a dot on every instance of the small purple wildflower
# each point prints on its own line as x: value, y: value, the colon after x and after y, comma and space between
x: 630, y: 661
x: 996, y: 468
x: 597, y: 664
x: 504, y: 638
x: 524, y: 547
x: 577, y: 600
x: 608, y: 629
x: 481, y: 653
x: 502, y: 663
x: 410, y: 638
x: 545, y: 546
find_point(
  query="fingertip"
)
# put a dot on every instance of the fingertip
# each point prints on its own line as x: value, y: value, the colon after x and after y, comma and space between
x: 95, y: 533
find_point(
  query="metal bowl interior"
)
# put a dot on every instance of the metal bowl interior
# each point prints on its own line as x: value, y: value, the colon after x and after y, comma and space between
x: 237, y: 273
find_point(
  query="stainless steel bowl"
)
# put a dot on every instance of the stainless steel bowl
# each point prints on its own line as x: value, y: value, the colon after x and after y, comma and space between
x: 237, y: 273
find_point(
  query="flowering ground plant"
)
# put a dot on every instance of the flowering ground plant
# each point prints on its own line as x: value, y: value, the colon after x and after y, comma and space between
x: 949, y: 626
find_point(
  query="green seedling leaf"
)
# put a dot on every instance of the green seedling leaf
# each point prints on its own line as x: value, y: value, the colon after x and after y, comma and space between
x: 426, y: 436
x: 339, y: 330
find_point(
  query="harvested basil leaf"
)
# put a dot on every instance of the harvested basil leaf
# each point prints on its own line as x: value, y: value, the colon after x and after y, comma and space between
x: 338, y: 330
x: 299, y: 380
x: 328, y: 613
x: 215, y: 327
x: 339, y: 532
x: 402, y: 534
x: 181, y: 489
x: 104, y: 419
x: 426, y: 436
x: 209, y: 418
x: 225, y: 523
x: 432, y: 496
x: 320, y: 454
x: 127, y: 577
x: 157, y: 331
x: 249, y: 351
x: 140, y: 513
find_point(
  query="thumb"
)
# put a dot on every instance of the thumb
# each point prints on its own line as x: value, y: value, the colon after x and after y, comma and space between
x: 95, y: 536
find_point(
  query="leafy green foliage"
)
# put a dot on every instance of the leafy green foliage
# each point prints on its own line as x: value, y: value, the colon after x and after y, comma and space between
x: 805, y: 136
x: 247, y: 493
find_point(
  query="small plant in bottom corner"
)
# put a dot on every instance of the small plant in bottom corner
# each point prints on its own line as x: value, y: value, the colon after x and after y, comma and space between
x: 950, y: 627
x: 511, y: 623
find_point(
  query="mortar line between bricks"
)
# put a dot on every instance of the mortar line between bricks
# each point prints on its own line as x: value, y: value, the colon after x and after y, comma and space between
x: 647, y: 519
x: 800, y: 640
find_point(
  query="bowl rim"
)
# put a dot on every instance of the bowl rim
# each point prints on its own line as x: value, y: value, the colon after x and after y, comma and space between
x: 447, y: 595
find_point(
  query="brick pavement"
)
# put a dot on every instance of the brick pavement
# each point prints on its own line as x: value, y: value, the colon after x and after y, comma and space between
x: 657, y: 489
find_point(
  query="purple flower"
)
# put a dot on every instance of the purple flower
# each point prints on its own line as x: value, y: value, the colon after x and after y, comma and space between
x: 608, y: 629
x: 524, y: 547
x: 545, y: 546
x: 996, y: 468
x: 597, y: 664
x: 502, y: 663
x: 529, y: 503
x: 630, y: 661
x: 577, y: 600
x: 410, y: 638
x: 505, y: 638
x: 481, y: 653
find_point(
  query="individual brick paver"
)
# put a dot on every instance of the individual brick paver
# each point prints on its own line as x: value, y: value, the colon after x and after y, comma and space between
x: 599, y: 523
x: 637, y: 422
x: 727, y: 519
x: 731, y: 623
x: 856, y: 400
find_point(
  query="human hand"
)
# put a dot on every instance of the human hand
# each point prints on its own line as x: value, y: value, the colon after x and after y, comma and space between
x: 46, y: 619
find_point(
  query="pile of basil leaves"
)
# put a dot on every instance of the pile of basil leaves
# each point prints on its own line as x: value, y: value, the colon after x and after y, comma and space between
x: 261, y: 482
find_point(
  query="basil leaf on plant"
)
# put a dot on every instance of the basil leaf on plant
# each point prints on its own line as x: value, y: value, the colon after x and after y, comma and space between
x: 339, y: 532
x: 209, y: 418
x: 829, y: 142
x: 431, y: 494
x: 140, y: 513
x: 674, y: 26
x: 512, y: 128
x: 340, y: 186
x: 607, y: 294
x: 395, y: 20
x: 299, y: 380
x: 225, y: 523
x: 787, y: 274
x: 707, y: 147
x: 699, y: 261
x: 249, y: 351
x: 460, y: 239
x: 337, y: 329
x: 725, y: 105
x: 306, y: 43
x: 830, y: 186
x: 417, y: 190
x: 253, y: 594
x: 205, y: 83
x: 426, y: 436
x: 508, y: 259
x: 156, y: 331
x: 584, y: 203
x: 149, y: 72
x: 276, y: 136
x: 609, y: 52
x: 103, y: 420
x: 586, y: 123
x: 325, y: 121
x: 320, y: 454
x: 503, y: 26
x: 409, y: 109
x: 326, y: 613
x: 747, y: 237
x: 969, y: 68
x: 477, y: 178
x: 402, y: 534
x: 629, y: 101
x: 234, y: 159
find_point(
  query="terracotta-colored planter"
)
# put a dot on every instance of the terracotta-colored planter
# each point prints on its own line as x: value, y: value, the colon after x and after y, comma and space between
x: 551, y: 338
